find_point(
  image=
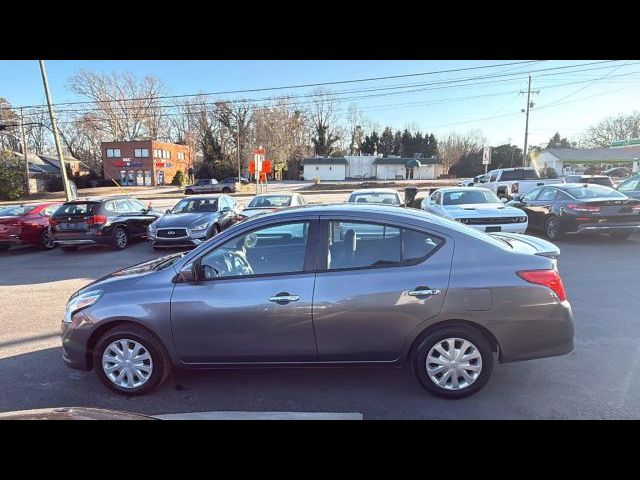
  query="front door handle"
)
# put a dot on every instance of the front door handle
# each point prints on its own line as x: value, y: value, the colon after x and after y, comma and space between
x: 423, y: 292
x: 284, y: 297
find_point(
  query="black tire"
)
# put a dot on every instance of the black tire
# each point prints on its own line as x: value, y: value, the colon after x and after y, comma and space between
x: 159, y: 359
x: 441, y: 334
x: 4, y: 247
x: 552, y: 229
x: 119, y: 239
x: 620, y: 235
x: 188, y: 192
x: 70, y: 249
x: 213, y: 231
x: 45, y: 241
x: 226, y: 190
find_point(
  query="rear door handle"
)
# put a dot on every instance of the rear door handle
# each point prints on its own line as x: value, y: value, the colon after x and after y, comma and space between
x: 284, y: 298
x: 423, y: 292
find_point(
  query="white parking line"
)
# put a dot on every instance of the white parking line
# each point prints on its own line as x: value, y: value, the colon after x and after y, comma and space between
x: 260, y: 416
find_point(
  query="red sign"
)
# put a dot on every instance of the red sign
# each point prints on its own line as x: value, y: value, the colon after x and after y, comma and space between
x: 127, y: 164
x: 266, y: 166
x: 163, y: 165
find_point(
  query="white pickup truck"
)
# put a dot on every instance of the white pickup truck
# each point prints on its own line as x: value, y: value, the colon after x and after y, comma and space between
x: 508, y: 182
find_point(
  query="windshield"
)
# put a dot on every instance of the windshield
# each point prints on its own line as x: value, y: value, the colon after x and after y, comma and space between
x: 270, y: 201
x: 464, y: 197
x: 519, y: 174
x: 377, y: 198
x: 594, y: 191
x: 196, y: 205
x: 15, y: 211
x: 164, y: 262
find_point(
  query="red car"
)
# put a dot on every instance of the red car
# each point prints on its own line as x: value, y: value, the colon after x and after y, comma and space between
x: 26, y: 225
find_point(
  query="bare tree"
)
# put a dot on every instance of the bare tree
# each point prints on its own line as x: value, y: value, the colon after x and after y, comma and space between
x: 611, y: 129
x: 323, y: 121
x: 356, y: 123
x: 125, y: 108
x: 454, y: 145
x: 10, y: 119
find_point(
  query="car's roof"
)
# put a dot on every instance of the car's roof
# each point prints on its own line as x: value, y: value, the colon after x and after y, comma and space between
x: 463, y: 189
x: 99, y: 199
x: 204, y: 197
x: 568, y: 186
x: 375, y: 190
x: 285, y: 194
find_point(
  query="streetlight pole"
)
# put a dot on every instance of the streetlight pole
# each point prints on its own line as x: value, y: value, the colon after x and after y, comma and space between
x: 24, y: 152
x: 54, y: 126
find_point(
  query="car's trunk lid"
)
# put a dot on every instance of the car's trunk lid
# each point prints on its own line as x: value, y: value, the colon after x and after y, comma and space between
x: 527, y: 244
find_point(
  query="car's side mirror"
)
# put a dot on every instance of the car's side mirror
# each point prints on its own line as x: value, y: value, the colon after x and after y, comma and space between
x: 504, y: 199
x: 189, y: 274
x: 168, y: 210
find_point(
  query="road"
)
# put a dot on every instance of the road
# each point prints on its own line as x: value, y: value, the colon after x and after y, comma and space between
x: 600, y: 379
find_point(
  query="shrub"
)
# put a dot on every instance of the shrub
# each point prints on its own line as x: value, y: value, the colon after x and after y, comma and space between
x: 179, y: 179
x: 11, y: 183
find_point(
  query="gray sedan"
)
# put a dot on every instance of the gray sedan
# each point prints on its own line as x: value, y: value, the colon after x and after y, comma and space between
x: 192, y: 221
x: 306, y: 287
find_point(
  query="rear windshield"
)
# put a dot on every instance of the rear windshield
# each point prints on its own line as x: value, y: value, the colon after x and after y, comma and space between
x: 377, y: 198
x: 15, y: 211
x: 270, y: 201
x: 85, y: 208
x: 593, y: 191
x: 520, y: 174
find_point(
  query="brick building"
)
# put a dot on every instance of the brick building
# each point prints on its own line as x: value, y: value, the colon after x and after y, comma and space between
x: 144, y: 162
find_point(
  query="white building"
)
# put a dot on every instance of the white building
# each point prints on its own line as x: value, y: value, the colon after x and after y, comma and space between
x: 576, y: 160
x: 371, y: 167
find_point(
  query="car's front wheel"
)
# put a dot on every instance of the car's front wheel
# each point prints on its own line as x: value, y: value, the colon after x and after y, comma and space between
x: 552, y: 229
x: 120, y: 239
x: 453, y: 361
x: 46, y: 240
x: 130, y: 360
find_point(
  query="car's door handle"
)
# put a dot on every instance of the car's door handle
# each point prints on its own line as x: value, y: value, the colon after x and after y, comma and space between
x: 423, y: 292
x: 284, y: 298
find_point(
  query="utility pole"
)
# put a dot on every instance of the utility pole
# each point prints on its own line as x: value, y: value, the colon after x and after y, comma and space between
x: 24, y: 152
x: 526, y: 128
x: 238, y: 127
x: 54, y: 126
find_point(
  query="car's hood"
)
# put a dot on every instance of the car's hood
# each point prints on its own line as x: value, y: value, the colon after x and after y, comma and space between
x: 131, y: 272
x: 185, y: 220
x: 479, y: 210
x: 252, y: 212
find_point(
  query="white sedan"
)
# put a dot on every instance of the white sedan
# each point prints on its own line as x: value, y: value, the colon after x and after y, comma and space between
x: 476, y: 207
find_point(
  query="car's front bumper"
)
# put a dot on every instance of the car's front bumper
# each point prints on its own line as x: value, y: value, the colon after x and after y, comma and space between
x: 192, y: 239
x: 501, y: 227
x: 74, y: 346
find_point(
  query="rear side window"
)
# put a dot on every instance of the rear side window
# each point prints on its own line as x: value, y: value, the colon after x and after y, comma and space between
x: 76, y: 209
x: 370, y: 245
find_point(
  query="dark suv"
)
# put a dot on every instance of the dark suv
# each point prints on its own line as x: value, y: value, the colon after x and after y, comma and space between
x: 111, y: 221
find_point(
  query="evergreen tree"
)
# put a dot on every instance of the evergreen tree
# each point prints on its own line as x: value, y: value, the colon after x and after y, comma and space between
x: 433, y: 147
x: 386, y: 142
x: 398, y: 148
x: 408, y: 143
x: 370, y: 144
x: 558, y: 142
x: 418, y: 143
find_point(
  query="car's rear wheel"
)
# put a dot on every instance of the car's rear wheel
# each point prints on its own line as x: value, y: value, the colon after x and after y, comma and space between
x: 226, y: 190
x: 46, y: 240
x: 130, y: 360
x: 188, y: 192
x: 453, y: 361
x: 552, y: 229
x: 70, y: 249
x: 120, y: 239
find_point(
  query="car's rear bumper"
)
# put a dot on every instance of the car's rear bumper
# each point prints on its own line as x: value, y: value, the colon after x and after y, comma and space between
x: 623, y: 227
x: 536, y: 338
x: 73, y: 239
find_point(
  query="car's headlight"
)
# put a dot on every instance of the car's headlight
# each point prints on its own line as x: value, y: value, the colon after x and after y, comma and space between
x: 201, y: 227
x: 462, y: 220
x: 81, y: 301
x: 152, y: 227
x: 522, y: 219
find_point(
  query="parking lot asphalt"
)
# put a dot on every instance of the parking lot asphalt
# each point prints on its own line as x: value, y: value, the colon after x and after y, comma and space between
x: 600, y: 379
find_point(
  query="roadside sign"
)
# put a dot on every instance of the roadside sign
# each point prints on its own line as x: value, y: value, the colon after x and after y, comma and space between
x: 264, y: 166
x: 486, y: 155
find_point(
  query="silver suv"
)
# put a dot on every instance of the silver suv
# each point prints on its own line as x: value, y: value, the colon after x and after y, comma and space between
x: 209, y: 185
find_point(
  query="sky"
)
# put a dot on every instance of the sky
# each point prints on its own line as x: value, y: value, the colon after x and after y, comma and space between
x: 569, y: 99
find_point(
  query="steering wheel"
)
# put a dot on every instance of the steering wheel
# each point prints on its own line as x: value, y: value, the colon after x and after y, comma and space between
x: 238, y: 263
x: 226, y: 264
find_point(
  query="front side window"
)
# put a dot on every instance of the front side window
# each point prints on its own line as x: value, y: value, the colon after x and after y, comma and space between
x: 435, y: 198
x: 269, y: 250
x: 548, y: 194
x: 494, y: 177
x: 370, y: 245
x: 137, y: 205
x: 122, y: 206
x: 531, y: 195
x: 630, y: 185
x: 196, y: 205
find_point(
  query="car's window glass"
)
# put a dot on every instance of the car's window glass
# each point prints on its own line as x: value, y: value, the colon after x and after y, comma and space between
x: 362, y: 245
x: 435, y: 198
x: 377, y: 198
x: 110, y: 207
x: 222, y: 203
x: 270, y: 201
x: 547, y: 194
x: 562, y: 196
x: 494, y: 177
x: 196, y: 205
x: 76, y: 209
x: 269, y: 250
x: 519, y: 174
x: 137, y: 205
x: 122, y: 206
x: 15, y: 211
x: 531, y: 195
x: 48, y: 211
x: 462, y: 197
x: 630, y: 185
x: 594, y: 191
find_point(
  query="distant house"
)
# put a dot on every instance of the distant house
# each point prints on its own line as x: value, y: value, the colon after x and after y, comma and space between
x: 570, y: 160
x: 44, y: 170
x: 371, y: 167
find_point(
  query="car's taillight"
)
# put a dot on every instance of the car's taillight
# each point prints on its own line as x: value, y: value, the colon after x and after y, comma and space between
x: 547, y: 278
x: 636, y: 208
x: 514, y: 187
x: 581, y: 207
x: 96, y: 220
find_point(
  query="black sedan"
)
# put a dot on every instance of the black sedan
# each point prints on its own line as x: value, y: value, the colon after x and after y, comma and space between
x: 573, y: 208
x: 111, y: 221
x: 631, y: 187
x: 192, y: 221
